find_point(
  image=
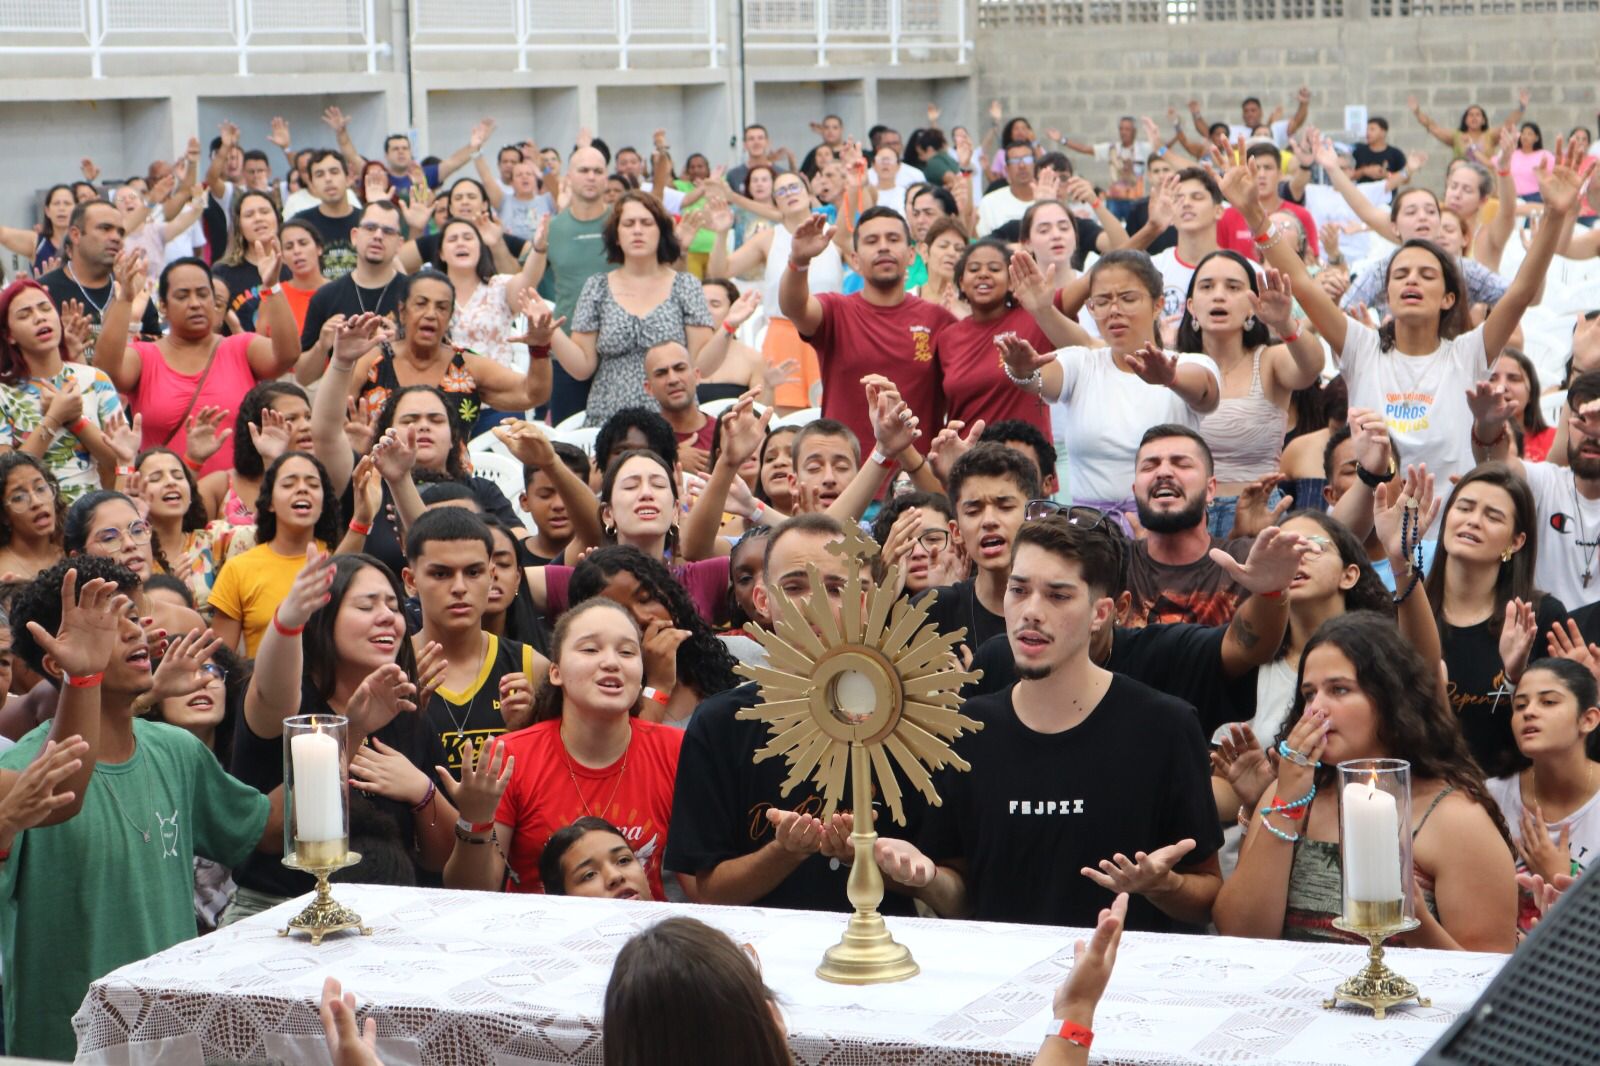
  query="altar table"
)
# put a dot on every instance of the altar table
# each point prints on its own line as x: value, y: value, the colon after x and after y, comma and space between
x: 483, y: 979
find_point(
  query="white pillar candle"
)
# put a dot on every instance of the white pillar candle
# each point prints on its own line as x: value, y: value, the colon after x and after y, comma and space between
x: 318, y: 800
x: 1371, y: 844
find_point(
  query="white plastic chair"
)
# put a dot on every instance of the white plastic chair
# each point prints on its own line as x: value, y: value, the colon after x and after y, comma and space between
x: 572, y: 421
x: 1551, y: 406
x: 488, y: 444
x: 506, y: 473
x: 581, y: 437
x: 798, y: 418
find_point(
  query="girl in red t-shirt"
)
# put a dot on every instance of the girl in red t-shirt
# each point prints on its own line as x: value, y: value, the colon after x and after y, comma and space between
x: 587, y: 755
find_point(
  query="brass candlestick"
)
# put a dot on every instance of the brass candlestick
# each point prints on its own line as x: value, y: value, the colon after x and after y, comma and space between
x: 1376, y: 987
x: 324, y: 915
x: 871, y: 685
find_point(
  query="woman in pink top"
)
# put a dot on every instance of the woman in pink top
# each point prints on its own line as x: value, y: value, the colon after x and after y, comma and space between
x: 1527, y: 158
x: 193, y: 366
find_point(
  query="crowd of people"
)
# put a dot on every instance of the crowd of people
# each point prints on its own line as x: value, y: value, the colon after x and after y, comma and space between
x: 1224, y: 473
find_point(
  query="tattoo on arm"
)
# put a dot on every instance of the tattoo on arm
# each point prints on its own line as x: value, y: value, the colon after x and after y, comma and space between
x: 1244, y: 632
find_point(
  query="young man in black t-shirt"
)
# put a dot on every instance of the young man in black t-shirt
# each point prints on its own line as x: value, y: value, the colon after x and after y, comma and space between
x: 333, y: 217
x: 1083, y: 783
x: 373, y: 286
x: 990, y: 487
x: 487, y: 686
x: 737, y: 838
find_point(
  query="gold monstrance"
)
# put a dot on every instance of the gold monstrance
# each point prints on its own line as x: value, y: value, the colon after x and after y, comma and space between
x: 878, y: 682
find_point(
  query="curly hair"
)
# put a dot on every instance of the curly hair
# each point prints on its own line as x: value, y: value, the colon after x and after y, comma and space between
x: 246, y: 460
x: 1413, y: 722
x: 79, y: 522
x: 9, y: 463
x: 454, y: 464
x: 40, y: 601
x: 329, y: 520
x: 656, y: 430
x: 704, y: 662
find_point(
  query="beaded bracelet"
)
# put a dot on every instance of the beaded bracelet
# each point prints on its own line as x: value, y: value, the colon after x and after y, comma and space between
x: 1280, y: 834
x: 1288, y: 809
x: 1409, y: 517
x: 1299, y: 759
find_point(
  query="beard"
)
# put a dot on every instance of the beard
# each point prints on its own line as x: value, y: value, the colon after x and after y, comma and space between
x: 1584, y: 466
x: 1033, y: 673
x: 1172, y: 521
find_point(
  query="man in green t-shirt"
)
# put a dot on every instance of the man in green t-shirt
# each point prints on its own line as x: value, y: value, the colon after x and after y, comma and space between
x: 108, y: 877
x: 574, y: 251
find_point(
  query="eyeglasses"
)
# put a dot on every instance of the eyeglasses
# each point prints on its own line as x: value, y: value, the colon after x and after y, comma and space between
x: 1020, y: 161
x: 378, y: 227
x: 1080, y: 515
x: 138, y: 531
x: 934, y: 541
x: 214, y: 671
x: 23, y: 497
x: 1128, y: 299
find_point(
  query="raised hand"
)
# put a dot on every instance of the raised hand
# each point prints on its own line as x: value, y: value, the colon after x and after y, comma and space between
x: 91, y: 173
x: 33, y: 797
x: 131, y: 273
x: 1272, y: 563
x: 89, y: 619
x: 335, y: 119
x: 950, y: 444
x: 124, y: 439
x: 1079, y: 190
x: 526, y: 442
x: 271, y: 437
x: 1490, y: 405
x: 356, y: 337
x: 1370, y: 436
x: 179, y: 672
x: 1145, y: 872
x: 1020, y: 356
x: 1566, y: 642
x: 933, y: 115
x: 418, y: 209
x: 367, y: 496
x: 1275, y: 304
x: 230, y: 134
x: 1307, y: 738
x: 516, y: 699
x: 1330, y: 232
x: 541, y: 320
x: 1163, y: 209
x: 893, y: 422
x: 1092, y: 962
x: 743, y: 430
x: 309, y: 592
x: 1239, y: 187
x: 395, y: 453
x: 359, y: 426
x: 1047, y: 186
x: 1517, y: 635
x: 1558, y: 185
x: 811, y: 239
x: 485, y: 773
x: 375, y: 184
x: 278, y: 134
x: 385, y: 693
x: 1033, y: 288
x: 346, y: 1045
x: 1388, y: 512
x: 1239, y: 758
x: 996, y: 112
x: 384, y: 771
x: 205, y: 433
x: 1153, y: 366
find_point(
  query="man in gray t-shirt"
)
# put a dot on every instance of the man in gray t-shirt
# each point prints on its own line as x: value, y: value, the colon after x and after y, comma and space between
x: 575, y: 253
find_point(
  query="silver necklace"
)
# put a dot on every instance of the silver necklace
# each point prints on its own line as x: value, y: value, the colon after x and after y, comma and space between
x: 1587, y: 546
x: 145, y: 833
x: 362, y: 303
x: 99, y: 309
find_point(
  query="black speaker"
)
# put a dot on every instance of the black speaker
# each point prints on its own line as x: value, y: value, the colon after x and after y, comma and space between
x: 1543, y: 1009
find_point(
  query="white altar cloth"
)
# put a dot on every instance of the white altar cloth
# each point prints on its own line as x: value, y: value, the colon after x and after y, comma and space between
x: 481, y: 979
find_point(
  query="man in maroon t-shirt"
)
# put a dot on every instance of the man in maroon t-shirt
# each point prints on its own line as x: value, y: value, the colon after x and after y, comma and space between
x: 670, y: 378
x: 880, y: 330
x: 1266, y: 165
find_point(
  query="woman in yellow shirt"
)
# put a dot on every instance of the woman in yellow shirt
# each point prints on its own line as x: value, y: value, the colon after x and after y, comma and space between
x: 297, y: 511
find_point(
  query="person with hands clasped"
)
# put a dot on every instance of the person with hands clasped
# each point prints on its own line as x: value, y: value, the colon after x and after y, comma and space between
x: 1364, y: 692
x: 50, y: 407
x: 193, y: 366
x: 146, y: 799
x: 337, y: 645
x: 587, y: 755
x: 1082, y: 781
x: 1549, y: 800
x: 1109, y: 396
x: 1425, y: 354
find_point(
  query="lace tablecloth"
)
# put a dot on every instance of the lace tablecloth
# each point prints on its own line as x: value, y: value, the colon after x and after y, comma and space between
x: 462, y: 979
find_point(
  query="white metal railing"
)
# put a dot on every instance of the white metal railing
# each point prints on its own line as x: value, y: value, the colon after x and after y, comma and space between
x: 617, y: 27
x: 856, y: 25
x: 242, y: 28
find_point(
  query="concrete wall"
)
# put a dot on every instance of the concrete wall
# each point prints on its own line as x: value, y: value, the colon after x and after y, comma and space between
x: 1080, y: 78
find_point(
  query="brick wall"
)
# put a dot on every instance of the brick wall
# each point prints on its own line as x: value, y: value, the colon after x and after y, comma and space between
x: 1054, y: 64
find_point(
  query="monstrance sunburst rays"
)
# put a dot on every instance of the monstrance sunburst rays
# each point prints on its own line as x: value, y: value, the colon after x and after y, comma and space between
x: 871, y: 690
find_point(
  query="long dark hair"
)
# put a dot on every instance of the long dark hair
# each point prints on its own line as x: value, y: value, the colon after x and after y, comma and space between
x: 1515, y: 579
x: 761, y: 464
x: 1255, y: 332
x: 484, y: 268
x: 48, y: 227
x: 704, y: 662
x: 524, y: 621
x: 79, y: 521
x: 246, y: 460
x: 454, y: 465
x: 1453, y: 320
x: 1369, y: 592
x: 9, y: 463
x: 194, y: 518
x: 683, y: 992
x: 1576, y: 679
x: 1532, y: 414
x: 320, y: 657
x: 329, y: 522
x: 1413, y: 723
x: 237, y: 670
x: 609, y: 483
x: 561, y: 842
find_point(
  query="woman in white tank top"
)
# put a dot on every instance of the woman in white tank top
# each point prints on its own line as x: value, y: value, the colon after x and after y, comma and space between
x: 1231, y: 315
x: 770, y: 249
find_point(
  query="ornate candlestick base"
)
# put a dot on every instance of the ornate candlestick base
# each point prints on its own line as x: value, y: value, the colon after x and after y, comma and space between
x: 867, y: 954
x: 1376, y: 987
x: 324, y: 915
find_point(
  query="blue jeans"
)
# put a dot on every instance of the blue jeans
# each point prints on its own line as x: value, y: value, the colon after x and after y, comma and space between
x: 1220, y: 515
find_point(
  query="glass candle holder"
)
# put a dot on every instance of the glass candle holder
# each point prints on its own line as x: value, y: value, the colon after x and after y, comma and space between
x: 316, y: 822
x: 1375, y: 843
